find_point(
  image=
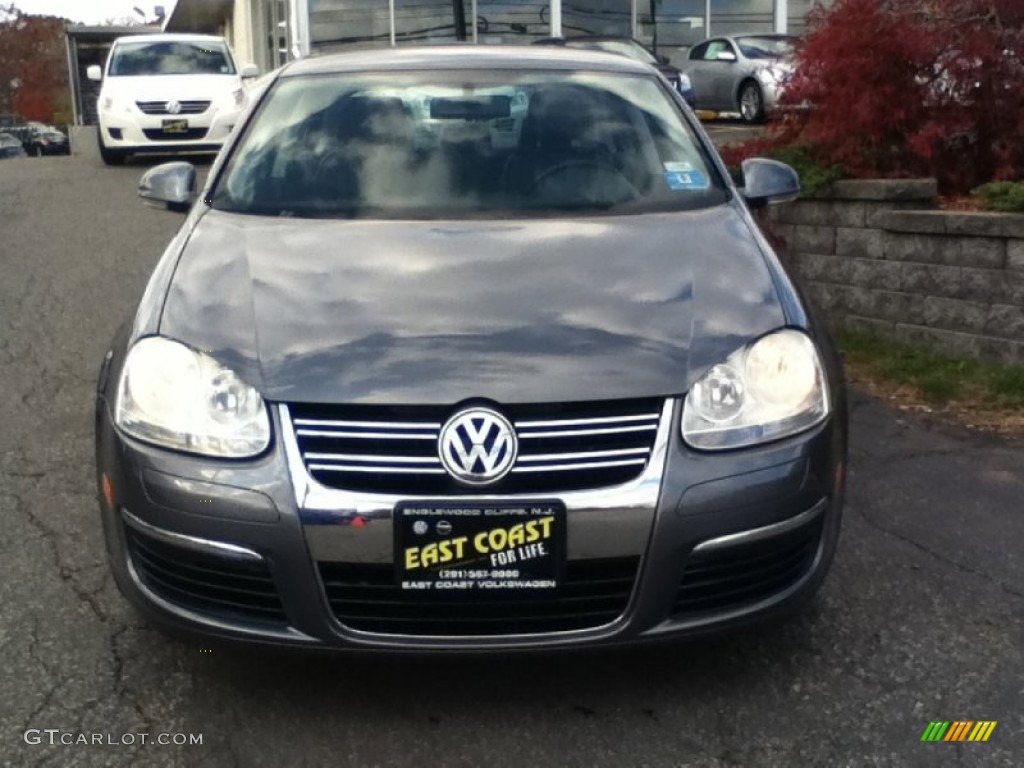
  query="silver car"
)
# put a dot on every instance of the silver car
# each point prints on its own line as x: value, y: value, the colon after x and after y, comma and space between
x: 744, y: 74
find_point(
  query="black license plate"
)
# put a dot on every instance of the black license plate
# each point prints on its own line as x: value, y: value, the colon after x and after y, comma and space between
x: 459, y: 548
x: 174, y: 126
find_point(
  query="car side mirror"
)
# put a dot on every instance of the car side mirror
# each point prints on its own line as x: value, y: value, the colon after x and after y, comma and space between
x: 725, y: 56
x: 662, y: 58
x: 249, y: 71
x: 769, y: 182
x: 93, y: 72
x: 173, y: 184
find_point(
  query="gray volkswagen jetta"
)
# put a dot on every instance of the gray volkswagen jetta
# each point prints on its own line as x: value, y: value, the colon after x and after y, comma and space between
x: 469, y: 348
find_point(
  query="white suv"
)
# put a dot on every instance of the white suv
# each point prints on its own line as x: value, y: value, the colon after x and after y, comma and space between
x: 168, y: 93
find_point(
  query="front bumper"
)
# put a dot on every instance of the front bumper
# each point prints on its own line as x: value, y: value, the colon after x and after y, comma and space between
x: 715, y: 540
x: 130, y: 130
x: 772, y: 90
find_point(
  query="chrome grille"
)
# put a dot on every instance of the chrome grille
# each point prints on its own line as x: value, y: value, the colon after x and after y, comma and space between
x: 160, y: 107
x: 562, y: 447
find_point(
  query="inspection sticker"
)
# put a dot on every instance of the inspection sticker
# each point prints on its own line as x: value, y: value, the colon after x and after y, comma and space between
x: 682, y: 175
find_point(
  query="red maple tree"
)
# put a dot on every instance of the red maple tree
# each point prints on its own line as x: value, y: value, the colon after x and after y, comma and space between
x: 910, y: 88
x: 33, y: 66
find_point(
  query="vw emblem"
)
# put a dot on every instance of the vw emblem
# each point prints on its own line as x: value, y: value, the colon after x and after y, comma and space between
x: 477, y: 446
x: 173, y: 107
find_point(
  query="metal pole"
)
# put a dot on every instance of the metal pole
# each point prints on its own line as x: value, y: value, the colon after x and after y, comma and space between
x: 707, y: 18
x: 654, y: 25
x: 472, y: 12
x: 781, y: 16
x: 459, y: 18
x: 299, y: 28
x: 391, y: 19
x: 73, y: 79
x: 556, y: 18
x: 633, y: 32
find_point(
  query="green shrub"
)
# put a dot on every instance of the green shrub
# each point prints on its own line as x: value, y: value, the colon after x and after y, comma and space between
x: 1003, y: 196
x: 815, y: 176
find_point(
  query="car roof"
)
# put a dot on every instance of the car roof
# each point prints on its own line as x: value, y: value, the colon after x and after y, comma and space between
x: 514, y: 57
x: 769, y: 35
x: 169, y: 37
x: 586, y: 39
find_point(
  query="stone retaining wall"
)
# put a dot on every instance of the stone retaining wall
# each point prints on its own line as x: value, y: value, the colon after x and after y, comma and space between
x: 876, y: 256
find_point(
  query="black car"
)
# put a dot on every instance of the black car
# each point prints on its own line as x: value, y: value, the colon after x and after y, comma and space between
x: 45, y: 140
x: 634, y: 49
x: 469, y: 348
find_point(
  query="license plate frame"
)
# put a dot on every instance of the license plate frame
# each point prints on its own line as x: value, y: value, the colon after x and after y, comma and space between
x: 174, y: 126
x: 527, y: 558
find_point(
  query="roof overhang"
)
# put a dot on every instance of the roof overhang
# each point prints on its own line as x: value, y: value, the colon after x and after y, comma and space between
x: 109, y: 33
x: 199, y: 16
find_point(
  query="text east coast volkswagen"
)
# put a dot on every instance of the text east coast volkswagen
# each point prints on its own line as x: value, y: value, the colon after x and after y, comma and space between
x: 469, y: 348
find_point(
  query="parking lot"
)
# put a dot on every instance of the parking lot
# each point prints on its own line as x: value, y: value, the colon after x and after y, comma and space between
x: 921, y: 618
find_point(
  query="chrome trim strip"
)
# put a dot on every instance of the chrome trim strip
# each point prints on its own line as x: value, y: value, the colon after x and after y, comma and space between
x: 369, y: 424
x: 376, y: 468
x: 575, y: 432
x: 368, y: 457
x: 583, y: 455
x: 765, y: 532
x: 372, y: 435
x: 585, y: 465
x: 594, y: 420
x: 220, y: 548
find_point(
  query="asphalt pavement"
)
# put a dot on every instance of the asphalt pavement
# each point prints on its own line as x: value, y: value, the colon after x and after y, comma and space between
x: 920, y: 619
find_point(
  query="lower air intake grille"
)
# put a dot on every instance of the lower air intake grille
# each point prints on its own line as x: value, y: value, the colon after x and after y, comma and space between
x: 156, y: 134
x: 394, y: 450
x: 365, y: 597
x: 220, y: 587
x: 731, y: 578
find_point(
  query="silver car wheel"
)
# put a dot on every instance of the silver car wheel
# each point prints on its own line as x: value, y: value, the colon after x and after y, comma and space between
x: 751, y: 103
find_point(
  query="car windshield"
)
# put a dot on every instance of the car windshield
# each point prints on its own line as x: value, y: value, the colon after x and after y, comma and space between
x: 765, y: 47
x: 456, y: 144
x: 171, y: 58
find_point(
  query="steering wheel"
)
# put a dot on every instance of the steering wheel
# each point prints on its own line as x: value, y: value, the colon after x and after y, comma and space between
x: 577, y: 180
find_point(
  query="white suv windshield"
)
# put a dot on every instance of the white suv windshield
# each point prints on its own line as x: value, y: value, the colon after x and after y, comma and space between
x: 454, y: 144
x: 171, y: 58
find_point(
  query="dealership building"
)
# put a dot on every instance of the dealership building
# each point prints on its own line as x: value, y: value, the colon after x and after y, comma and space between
x: 269, y: 33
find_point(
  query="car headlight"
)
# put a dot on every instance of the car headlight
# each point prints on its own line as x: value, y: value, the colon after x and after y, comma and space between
x: 239, y: 97
x: 767, y: 390
x: 684, y: 83
x: 176, y: 397
x: 772, y: 75
x: 111, y: 104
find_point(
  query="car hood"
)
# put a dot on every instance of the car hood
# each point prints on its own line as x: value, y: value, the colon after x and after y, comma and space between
x: 438, y: 312
x: 168, y: 87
